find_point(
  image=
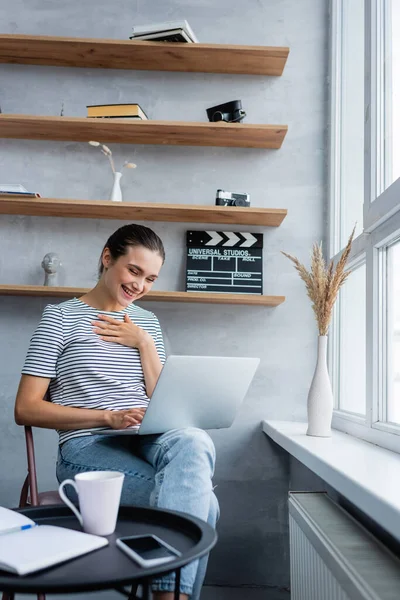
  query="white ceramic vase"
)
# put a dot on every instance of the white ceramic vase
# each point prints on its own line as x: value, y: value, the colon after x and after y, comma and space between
x: 116, y: 194
x: 320, y: 397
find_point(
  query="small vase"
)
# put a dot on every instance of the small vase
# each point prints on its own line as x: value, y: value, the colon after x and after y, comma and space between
x: 116, y: 194
x: 320, y: 397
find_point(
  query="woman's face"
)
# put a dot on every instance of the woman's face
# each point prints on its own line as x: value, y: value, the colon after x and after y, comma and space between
x: 132, y: 275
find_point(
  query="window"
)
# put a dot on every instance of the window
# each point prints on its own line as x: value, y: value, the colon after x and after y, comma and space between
x: 351, y: 302
x: 364, y: 351
x: 348, y: 115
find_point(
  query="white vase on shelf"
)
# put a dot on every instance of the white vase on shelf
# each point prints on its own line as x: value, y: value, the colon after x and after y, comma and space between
x: 116, y: 194
x: 320, y: 397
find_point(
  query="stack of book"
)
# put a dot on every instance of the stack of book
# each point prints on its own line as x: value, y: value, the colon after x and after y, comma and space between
x: 116, y: 111
x: 16, y: 189
x: 170, y: 31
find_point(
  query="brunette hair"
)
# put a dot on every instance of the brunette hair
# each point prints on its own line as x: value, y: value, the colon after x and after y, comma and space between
x: 131, y: 235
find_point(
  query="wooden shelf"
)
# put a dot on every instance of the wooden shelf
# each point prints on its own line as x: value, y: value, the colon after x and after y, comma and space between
x: 206, y: 297
x: 153, y: 56
x: 177, y: 133
x: 140, y: 211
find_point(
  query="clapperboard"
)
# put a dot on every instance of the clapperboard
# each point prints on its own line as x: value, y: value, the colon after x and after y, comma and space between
x: 224, y: 261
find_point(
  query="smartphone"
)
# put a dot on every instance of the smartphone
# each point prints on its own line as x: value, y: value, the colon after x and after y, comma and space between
x: 147, y: 550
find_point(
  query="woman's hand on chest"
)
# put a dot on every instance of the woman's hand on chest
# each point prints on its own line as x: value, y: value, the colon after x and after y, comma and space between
x: 123, y: 332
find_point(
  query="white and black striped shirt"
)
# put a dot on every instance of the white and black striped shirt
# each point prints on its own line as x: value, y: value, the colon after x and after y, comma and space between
x: 85, y: 371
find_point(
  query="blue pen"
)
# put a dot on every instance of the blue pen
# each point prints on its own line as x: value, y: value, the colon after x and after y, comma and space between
x: 18, y: 528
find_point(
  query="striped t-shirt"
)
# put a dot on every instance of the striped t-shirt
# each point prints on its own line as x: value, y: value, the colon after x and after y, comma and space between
x: 85, y: 371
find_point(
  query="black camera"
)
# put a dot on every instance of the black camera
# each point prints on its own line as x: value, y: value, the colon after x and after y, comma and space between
x: 231, y: 112
x: 224, y: 198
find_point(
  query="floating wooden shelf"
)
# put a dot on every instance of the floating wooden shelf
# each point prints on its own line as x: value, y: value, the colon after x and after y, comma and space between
x: 140, y: 211
x: 177, y: 133
x: 154, y: 56
x: 202, y: 297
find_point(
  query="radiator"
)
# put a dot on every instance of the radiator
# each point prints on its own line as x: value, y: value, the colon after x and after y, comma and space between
x: 332, y: 557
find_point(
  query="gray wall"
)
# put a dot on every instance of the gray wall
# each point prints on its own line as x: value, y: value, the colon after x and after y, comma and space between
x: 252, y: 475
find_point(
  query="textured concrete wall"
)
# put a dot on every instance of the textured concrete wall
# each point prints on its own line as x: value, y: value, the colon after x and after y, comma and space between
x: 252, y: 474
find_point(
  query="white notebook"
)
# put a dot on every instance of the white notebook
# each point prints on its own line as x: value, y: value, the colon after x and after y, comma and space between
x: 26, y: 547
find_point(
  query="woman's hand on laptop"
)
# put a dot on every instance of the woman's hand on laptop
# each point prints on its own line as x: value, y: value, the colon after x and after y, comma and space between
x: 123, y: 332
x: 121, y: 419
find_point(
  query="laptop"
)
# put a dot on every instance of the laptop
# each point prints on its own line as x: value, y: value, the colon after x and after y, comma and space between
x: 195, y: 391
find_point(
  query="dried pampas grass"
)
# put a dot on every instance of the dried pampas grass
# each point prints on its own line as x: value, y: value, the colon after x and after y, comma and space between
x: 323, y: 282
x: 107, y: 152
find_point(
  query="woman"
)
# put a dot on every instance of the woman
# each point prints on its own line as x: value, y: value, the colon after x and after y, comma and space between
x: 100, y: 357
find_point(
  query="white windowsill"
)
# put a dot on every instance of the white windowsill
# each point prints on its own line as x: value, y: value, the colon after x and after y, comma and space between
x: 365, y: 474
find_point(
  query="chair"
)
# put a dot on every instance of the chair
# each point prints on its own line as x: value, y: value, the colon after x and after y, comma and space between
x: 29, y: 492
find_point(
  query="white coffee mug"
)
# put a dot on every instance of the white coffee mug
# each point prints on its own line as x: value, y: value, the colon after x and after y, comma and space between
x: 99, y: 494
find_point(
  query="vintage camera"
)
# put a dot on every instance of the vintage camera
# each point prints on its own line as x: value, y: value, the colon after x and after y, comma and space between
x: 224, y: 198
x: 231, y: 112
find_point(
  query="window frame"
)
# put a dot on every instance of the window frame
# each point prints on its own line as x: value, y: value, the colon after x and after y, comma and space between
x: 381, y: 219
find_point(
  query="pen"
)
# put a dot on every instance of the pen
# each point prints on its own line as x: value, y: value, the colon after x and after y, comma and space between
x: 18, y: 528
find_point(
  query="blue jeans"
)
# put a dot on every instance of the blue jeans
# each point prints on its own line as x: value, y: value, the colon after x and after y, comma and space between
x: 172, y: 470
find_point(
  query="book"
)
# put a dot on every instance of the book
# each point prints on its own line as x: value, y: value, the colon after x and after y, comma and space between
x: 29, y: 194
x: 16, y: 189
x: 122, y: 118
x: 174, y: 35
x: 26, y: 547
x: 116, y: 111
x: 139, y: 30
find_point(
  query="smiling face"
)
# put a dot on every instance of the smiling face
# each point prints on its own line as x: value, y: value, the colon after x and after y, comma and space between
x: 132, y: 275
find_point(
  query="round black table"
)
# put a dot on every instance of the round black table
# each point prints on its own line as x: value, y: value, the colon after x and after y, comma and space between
x: 109, y: 567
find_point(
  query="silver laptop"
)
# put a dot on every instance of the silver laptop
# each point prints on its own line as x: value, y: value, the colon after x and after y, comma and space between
x: 195, y: 391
